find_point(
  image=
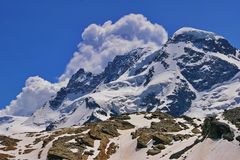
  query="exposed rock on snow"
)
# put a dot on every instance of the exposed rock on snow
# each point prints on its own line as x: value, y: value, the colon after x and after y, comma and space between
x: 142, y: 135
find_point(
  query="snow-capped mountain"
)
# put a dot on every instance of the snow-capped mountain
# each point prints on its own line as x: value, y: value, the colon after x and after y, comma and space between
x: 195, y: 73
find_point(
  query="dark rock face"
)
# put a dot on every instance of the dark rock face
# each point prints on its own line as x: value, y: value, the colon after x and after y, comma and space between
x: 149, y: 76
x: 119, y: 65
x: 101, y: 112
x: 204, y: 71
x: 83, y: 82
x: 161, y: 57
x: 207, y: 43
x: 80, y: 83
x: 216, y: 130
x: 91, y: 104
x: 181, y: 99
x: 150, y: 101
x: 50, y: 127
x: 57, y: 101
x: 92, y: 119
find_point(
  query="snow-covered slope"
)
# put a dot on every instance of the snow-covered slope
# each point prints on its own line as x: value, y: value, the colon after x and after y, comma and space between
x: 14, y: 124
x: 196, y: 72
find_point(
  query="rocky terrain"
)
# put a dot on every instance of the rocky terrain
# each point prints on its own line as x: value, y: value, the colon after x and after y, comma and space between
x: 140, y: 135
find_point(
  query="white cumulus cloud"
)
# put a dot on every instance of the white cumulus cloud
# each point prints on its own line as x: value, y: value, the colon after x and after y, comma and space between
x: 35, y: 93
x: 101, y: 43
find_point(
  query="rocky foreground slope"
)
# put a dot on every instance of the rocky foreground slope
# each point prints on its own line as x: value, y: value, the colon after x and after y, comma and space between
x: 141, y: 135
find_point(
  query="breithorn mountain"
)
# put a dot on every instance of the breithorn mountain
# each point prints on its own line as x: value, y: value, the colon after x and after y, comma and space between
x: 195, y: 73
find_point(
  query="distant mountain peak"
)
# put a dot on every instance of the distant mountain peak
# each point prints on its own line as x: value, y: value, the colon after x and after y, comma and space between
x: 207, y: 41
x: 196, y: 33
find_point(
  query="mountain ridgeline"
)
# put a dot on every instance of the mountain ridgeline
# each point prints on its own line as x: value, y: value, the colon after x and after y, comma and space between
x: 191, y: 73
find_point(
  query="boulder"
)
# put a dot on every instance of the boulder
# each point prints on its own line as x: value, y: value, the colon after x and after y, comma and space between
x: 143, y: 140
x: 196, y: 130
x: 216, y: 130
x: 110, y: 130
x: 153, y: 152
x: 162, y: 139
x: 168, y: 125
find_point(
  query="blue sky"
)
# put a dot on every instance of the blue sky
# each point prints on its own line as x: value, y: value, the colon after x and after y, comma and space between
x: 39, y: 37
